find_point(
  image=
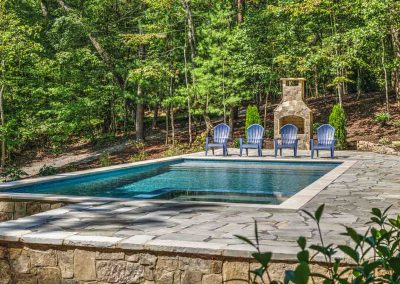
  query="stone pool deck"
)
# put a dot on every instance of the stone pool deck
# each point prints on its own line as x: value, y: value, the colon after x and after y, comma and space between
x: 206, y: 230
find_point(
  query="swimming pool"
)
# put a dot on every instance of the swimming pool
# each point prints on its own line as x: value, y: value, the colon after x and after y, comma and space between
x: 237, y: 181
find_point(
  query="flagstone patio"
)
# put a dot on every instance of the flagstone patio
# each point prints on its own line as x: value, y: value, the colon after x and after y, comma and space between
x: 209, y: 228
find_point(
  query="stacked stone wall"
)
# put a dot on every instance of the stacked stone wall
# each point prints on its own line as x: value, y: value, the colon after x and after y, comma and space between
x: 13, y: 209
x: 69, y: 265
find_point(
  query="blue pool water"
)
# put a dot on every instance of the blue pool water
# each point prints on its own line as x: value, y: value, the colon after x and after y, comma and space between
x: 194, y: 180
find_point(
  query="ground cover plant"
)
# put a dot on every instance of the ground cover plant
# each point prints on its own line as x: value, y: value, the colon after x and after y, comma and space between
x: 374, y: 255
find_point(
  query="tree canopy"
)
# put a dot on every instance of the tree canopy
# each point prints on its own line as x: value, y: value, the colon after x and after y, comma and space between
x: 85, y: 68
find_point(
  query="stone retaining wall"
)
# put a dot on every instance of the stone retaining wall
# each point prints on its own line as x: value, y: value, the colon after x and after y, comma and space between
x: 12, y: 209
x: 68, y: 265
x: 376, y: 148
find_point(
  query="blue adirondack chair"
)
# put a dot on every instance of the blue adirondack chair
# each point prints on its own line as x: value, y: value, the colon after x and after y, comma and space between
x: 221, y: 136
x: 326, y: 140
x: 288, y: 139
x: 255, y: 134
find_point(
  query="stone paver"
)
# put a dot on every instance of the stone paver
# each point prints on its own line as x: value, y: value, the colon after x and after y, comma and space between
x: 373, y: 181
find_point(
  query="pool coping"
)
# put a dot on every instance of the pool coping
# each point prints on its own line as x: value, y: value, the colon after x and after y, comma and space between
x: 295, y: 202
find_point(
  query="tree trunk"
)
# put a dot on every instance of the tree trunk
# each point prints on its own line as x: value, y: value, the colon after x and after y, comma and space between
x: 172, y: 126
x: 167, y: 127
x: 139, y: 125
x: 107, y: 117
x: 43, y: 8
x: 316, y: 83
x: 188, y: 96
x: 3, y: 138
x: 265, y: 110
x: 191, y: 30
x: 139, y: 106
x: 240, y: 11
x: 396, y: 46
x: 385, y: 76
x: 209, y: 125
x: 359, y: 91
x: 155, y: 116
x: 231, y: 120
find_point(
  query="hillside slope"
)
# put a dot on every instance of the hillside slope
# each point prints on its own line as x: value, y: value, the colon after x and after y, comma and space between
x: 361, y: 126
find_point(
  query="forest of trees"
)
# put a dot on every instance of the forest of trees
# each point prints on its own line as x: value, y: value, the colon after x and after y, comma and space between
x: 71, y: 68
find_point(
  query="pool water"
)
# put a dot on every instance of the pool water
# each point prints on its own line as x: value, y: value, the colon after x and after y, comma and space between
x: 193, y: 180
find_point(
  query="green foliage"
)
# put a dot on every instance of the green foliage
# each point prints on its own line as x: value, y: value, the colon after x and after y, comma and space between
x: 381, y: 241
x: 252, y: 116
x: 315, y: 126
x: 12, y: 173
x: 141, y: 156
x: 236, y: 143
x: 105, y: 160
x: 58, y: 87
x: 337, y: 119
x: 269, y: 133
x: 385, y: 141
x: 47, y: 170
x: 140, y: 152
x: 382, y: 118
x: 396, y: 124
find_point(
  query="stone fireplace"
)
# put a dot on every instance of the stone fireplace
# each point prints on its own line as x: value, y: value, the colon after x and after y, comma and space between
x: 293, y: 110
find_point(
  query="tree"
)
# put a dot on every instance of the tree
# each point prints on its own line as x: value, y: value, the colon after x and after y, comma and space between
x: 337, y: 119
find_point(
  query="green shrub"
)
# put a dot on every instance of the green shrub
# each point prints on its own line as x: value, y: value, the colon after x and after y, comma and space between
x: 236, y: 143
x: 12, y: 173
x: 385, y: 141
x: 315, y: 126
x: 105, y: 160
x: 269, y: 133
x: 337, y: 119
x: 141, y: 156
x: 47, y: 171
x: 252, y: 116
x: 382, y: 118
x: 396, y: 124
x: 381, y: 241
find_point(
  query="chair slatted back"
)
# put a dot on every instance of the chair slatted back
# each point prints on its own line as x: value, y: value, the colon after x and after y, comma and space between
x: 288, y: 134
x: 255, y: 132
x: 325, y: 134
x: 221, y: 133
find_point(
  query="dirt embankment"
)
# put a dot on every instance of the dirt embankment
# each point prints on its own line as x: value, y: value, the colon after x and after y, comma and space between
x: 361, y: 126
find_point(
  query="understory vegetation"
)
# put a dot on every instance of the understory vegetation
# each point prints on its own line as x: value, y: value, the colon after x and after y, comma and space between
x: 101, y: 70
x: 372, y: 257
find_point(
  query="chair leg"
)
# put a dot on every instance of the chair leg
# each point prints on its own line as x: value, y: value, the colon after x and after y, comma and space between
x: 332, y: 153
x: 247, y: 152
x: 206, y: 150
x: 276, y: 152
x: 318, y: 153
x: 240, y: 151
x: 295, y: 152
x: 312, y: 153
x: 259, y: 152
x: 212, y: 149
x: 280, y: 151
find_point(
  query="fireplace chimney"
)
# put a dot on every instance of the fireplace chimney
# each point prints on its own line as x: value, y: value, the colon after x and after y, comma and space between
x: 293, y: 110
